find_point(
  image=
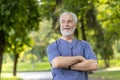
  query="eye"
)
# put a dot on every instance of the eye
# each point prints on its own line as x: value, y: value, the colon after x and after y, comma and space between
x: 63, y: 21
x: 69, y: 21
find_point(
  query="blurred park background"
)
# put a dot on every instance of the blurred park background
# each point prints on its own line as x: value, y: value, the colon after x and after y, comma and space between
x: 28, y: 26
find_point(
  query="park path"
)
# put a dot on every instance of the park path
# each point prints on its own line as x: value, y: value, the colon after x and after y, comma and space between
x: 43, y: 76
x: 35, y: 75
x: 46, y: 75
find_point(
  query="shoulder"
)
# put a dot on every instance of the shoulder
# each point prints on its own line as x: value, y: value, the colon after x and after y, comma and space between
x: 83, y: 42
x: 53, y: 44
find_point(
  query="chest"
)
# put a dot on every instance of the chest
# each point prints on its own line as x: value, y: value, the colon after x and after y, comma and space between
x: 71, y: 50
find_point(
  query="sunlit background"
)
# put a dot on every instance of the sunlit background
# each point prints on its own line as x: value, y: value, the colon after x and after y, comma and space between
x: 28, y: 26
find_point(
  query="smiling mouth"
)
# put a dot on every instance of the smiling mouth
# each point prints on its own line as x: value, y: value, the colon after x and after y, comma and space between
x: 66, y: 29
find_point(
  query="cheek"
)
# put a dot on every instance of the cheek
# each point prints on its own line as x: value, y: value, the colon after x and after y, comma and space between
x: 61, y: 25
x: 73, y: 26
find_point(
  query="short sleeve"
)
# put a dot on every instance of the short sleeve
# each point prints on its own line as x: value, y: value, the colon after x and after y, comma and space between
x: 52, y: 51
x: 89, y: 53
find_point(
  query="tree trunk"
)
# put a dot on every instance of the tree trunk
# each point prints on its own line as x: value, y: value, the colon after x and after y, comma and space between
x: 15, y: 64
x: 83, y: 29
x: 1, y: 58
x: 106, y: 61
x: 2, y: 46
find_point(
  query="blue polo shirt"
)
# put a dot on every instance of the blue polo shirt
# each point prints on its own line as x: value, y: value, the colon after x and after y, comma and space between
x: 63, y: 48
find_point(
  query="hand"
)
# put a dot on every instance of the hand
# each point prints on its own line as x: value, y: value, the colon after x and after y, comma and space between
x: 80, y: 58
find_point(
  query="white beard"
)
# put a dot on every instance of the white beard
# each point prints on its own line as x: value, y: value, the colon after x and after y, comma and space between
x: 67, y: 33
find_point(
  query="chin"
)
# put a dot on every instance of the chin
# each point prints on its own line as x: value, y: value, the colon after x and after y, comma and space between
x: 64, y: 34
x: 67, y: 33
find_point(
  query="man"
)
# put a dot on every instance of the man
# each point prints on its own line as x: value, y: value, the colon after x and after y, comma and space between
x: 70, y: 58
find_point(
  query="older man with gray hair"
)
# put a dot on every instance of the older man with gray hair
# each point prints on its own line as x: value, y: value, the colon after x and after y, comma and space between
x: 70, y: 58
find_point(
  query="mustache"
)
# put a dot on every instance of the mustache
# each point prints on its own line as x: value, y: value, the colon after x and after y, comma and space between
x: 66, y: 28
x: 67, y: 31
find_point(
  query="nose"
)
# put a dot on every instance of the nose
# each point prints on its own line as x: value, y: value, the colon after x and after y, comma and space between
x: 66, y: 24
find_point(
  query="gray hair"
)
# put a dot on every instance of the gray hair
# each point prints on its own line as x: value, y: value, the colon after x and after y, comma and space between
x: 72, y: 14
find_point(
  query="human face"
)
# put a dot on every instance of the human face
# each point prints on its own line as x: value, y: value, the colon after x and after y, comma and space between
x: 67, y: 25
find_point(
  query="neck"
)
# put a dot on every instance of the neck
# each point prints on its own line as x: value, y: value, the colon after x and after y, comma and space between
x: 68, y: 38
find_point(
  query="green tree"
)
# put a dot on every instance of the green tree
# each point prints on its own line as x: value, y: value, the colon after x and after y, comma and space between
x: 108, y: 17
x: 93, y: 24
x: 18, y: 18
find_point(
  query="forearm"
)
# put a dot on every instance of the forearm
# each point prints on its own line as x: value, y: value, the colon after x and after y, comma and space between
x: 86, y: 65
x: 62, y: 61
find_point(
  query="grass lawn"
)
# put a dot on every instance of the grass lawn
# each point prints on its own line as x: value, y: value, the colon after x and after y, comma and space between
x: 22, y: 66
x: 111, y: 73
x: 107, y: 75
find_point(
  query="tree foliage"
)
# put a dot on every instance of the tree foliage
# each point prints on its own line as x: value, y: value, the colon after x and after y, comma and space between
x: 18, y: 18
x: 98, y: 22
x: 97, y: 19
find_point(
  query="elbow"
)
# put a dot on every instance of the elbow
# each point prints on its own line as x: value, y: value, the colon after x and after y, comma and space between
x: 94, y: 67
x: 55, y: 63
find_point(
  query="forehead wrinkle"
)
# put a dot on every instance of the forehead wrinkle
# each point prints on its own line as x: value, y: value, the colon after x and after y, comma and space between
x: 67, y: 16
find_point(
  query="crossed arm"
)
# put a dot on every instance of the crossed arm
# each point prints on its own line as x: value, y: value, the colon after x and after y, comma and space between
x: 75, y: 62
